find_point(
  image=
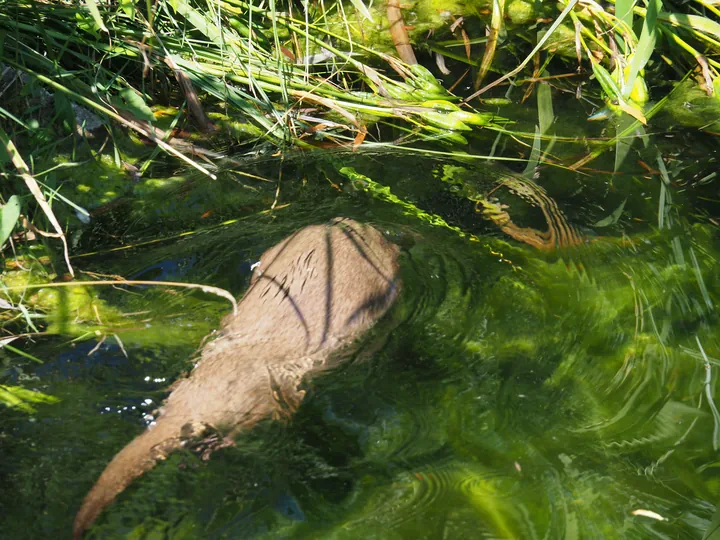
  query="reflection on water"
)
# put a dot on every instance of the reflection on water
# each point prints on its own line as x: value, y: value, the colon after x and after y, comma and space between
x: 569, y: 394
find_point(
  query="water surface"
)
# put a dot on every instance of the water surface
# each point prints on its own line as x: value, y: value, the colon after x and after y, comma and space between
x: 523, y: 394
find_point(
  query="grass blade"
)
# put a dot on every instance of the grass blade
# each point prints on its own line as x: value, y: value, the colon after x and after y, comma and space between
x: 362, y: 9
x: 496, y: 23
x: 95, y: 13
x: 32, y: 185
x: 521, y: 66
x: 9, y: 215
x: 645, y: 46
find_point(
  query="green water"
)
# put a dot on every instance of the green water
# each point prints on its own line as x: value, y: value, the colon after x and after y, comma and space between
x: 522, y: 395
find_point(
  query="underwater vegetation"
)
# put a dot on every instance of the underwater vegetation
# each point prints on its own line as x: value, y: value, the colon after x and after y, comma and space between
x: 549, y: 171
x: 525, y: 392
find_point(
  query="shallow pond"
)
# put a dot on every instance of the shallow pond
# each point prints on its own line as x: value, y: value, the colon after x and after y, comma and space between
x: 525, y: 393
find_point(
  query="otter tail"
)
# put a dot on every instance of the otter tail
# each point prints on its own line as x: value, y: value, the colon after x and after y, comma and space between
x: 132, y: 461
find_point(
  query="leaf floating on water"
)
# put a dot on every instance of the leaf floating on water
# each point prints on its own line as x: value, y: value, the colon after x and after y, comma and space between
x: 21, y: 398
x: 614, y: 94
x: 613, y: 218
x: 648, y: 513
x: 9, y: 215
x: 134, y: 103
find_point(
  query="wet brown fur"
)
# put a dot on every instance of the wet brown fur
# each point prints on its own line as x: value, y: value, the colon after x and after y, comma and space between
x: 310, y: 298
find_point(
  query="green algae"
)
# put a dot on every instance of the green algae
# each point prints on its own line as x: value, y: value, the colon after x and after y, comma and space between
x: 547, y: 398
x: 691, y: 106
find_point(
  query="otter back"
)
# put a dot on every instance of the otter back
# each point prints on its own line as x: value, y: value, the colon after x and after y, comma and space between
x: 310, y: 298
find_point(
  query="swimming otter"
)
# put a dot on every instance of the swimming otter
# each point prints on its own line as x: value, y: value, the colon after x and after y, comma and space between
x: 310, y: 298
